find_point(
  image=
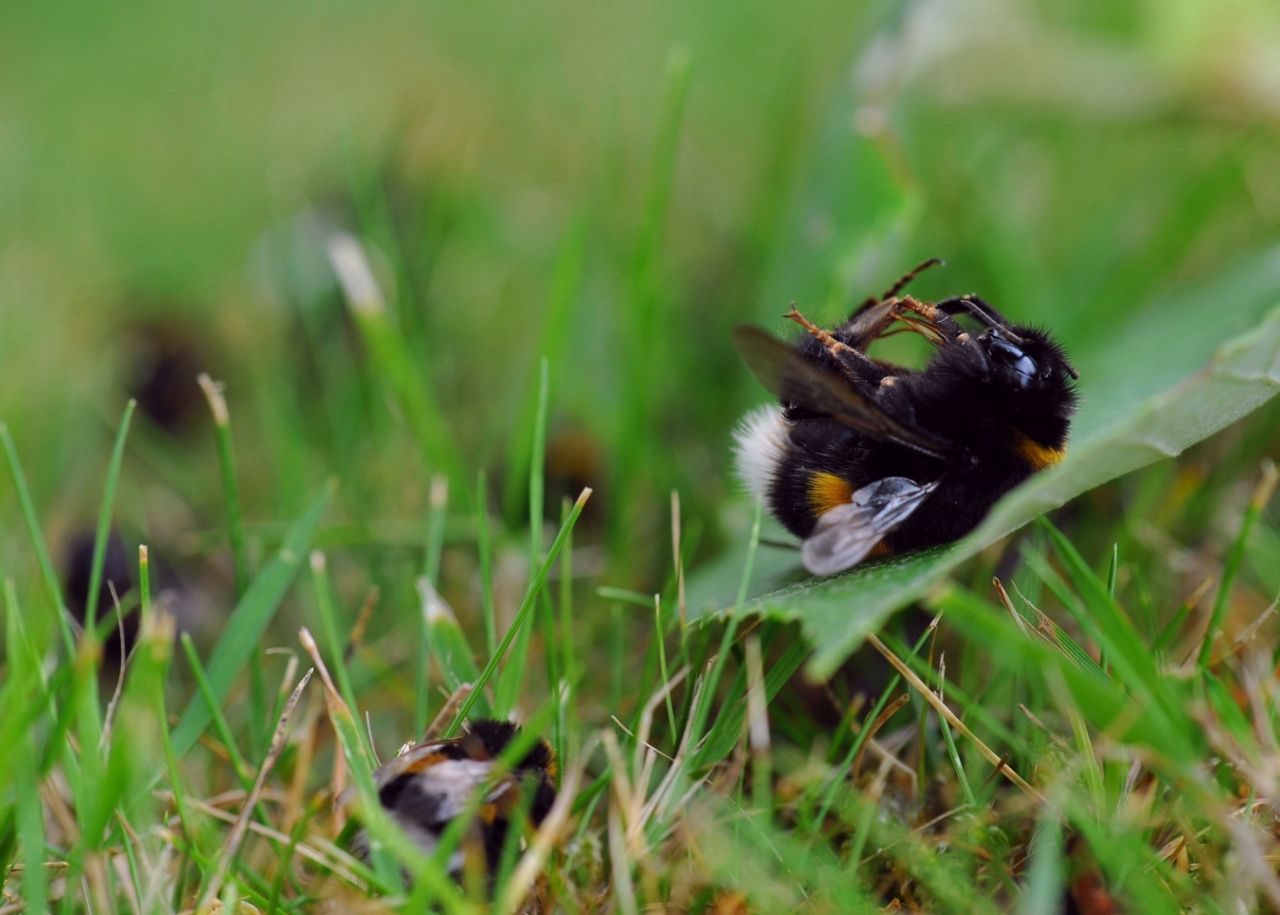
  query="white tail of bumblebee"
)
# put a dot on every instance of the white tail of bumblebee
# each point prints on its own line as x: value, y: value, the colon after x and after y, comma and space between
x: 760, y: 442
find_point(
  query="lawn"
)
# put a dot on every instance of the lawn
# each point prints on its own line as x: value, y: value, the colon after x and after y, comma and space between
x: 392, y: 343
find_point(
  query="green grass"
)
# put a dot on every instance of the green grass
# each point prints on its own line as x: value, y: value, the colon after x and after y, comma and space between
x: 473, y: 267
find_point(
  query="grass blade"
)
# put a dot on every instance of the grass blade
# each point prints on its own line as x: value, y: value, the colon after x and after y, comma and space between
x: 47, y: 572
x: 104, y: 520
x: 390, y: 354
x: 1261, y: 496
x: 485, y: 549
x: 431, y: 574
x: 522, y: 614
x: 511, y: 678
x: 230, y: 487
x: 248, y: 621
x: 232, y: 846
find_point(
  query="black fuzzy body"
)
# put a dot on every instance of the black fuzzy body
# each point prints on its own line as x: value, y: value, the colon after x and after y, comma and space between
x: 424, y: 792
x: 1005, y: 433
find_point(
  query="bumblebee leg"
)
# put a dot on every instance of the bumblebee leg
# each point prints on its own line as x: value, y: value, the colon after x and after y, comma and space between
x: 893, y: 399
x: 927, y: 320
x: 975, y: 307
x: 910, y: 275
x: 867, y: 325
x: 914, y: 316
x: 854, y: 363
x: 833, y: 346
x: 901, y: 284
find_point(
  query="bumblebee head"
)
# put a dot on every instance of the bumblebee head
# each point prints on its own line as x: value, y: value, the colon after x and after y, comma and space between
x: 1025, y: 365
x: 429, y: 785
x: 1017, y: 373
x: 1025, y: 359
x: 486, y: 738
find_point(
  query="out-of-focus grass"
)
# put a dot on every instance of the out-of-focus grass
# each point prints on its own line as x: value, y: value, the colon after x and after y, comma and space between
x: 610, y: 189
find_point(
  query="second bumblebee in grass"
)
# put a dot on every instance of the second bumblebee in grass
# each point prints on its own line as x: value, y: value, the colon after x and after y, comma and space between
x: 862, y: 457
x: 430, y: 784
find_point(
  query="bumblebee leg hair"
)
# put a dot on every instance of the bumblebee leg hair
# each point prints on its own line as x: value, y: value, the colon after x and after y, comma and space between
x: 867, y: 325
x: 925, y: 319
x: 936, y: 324
x: 914, y: 316
x: 845, y: 355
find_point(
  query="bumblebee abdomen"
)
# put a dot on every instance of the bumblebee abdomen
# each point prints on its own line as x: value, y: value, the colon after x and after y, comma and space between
x: 804, y: 489
x: 760, y: 448
x: 1036, y: 455
x: 801, y: 469
x: 961, y: 500
x: 827, y: 490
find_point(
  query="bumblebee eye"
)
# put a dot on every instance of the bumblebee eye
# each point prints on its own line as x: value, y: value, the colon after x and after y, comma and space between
x: 1016, y: 366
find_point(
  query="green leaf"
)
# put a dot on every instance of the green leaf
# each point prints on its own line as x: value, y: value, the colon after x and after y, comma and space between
x: 244, y: 629
x: 1140, y: 427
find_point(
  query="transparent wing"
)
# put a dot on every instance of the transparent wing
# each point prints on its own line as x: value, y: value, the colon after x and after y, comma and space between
x: 868, y: 323
x: 410, y: 759
x: 846, y: 534
x: 796, y: 379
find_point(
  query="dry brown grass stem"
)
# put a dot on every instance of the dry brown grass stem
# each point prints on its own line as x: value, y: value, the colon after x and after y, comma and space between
x: 238, y: 830
x: 549, y: 833
x: 941, y: 708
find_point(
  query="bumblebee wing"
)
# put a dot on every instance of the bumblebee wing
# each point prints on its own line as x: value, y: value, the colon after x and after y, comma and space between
x: 799, y: 380
x: 413, y: 758
x: 868, y: 323
x: 847, y: 533
x: 437, y: 794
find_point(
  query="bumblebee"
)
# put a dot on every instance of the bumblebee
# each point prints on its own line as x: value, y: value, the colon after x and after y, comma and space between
x: 864, y: 458
x: 430, y: 784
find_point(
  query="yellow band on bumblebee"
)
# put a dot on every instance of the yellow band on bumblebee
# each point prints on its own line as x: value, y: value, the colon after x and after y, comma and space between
x: 1039, y: 456
x: 826, y: 491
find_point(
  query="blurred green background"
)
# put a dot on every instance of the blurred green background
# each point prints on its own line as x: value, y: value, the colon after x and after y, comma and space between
x: 604, y: 190
x: 607, y: 186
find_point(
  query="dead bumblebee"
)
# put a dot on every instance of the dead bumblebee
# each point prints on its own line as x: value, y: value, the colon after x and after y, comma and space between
x: 430, y: 784
x: 867, y: 458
